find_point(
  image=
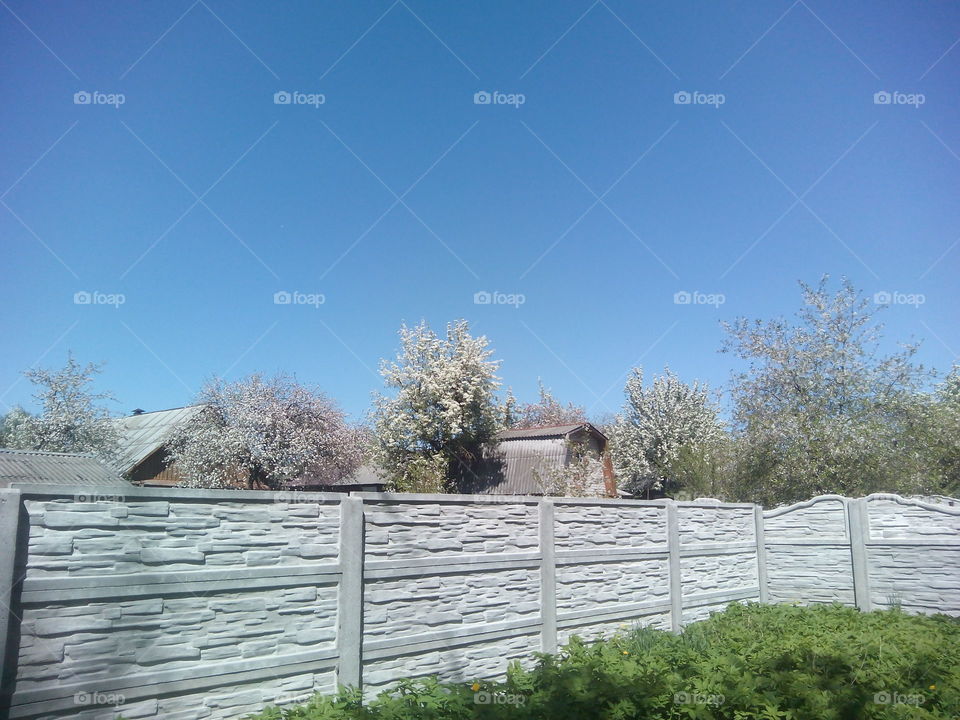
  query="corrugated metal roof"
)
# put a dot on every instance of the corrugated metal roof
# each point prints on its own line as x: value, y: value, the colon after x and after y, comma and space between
x: 50, y: 468
x: 548, y: 432
x: 142, y: 435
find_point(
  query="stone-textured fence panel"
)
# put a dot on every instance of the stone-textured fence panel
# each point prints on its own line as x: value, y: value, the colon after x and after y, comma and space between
x: 874, y: 552
x: 913, y: 550
x: 157, y: 594
x: 181, y: 604
x: 808, y: 552
x: 451, y: 587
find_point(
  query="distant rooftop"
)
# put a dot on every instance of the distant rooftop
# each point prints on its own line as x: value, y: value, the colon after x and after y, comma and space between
x: 37, y: 467
x: 547, y: 431
x: 143, y: 433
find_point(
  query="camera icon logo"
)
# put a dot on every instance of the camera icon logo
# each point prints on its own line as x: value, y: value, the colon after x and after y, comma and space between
x: 682, y: 298
x: 482, y: 298
x: 82, y: 298
x: 281, y: 97
x: 882, y: 297
x: 882, y: 98
x: 282, y: 297
x: 482, y: 98
x: 682, y: 98
x: 82, y: 98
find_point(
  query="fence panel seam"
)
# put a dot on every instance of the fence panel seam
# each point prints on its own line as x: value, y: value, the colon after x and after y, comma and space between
x: 548, y: 578
x: 676, y: 585
x: 350, y: 595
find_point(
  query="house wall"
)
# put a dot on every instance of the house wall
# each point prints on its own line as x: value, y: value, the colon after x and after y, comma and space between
x: 155, y: 470
x: 212, y: 604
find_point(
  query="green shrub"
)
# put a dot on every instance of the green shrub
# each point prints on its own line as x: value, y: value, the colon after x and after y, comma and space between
x: 750, y: 662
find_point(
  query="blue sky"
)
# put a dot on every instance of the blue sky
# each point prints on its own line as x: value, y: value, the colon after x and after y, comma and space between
x: 397, y: 198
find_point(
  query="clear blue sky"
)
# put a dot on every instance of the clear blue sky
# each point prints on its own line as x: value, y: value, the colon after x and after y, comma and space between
x: 597, y: 199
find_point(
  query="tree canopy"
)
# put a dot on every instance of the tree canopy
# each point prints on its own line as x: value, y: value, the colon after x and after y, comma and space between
x: 431, y: 430
x: 71, y: 418
x: 262, y: 432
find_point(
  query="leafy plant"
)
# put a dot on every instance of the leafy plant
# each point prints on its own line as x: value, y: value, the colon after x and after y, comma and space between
x: 749, y: 662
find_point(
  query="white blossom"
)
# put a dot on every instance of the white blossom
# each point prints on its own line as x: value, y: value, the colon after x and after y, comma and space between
x: 70, y: 420
x: 443, y: 409
x: 263, y: 433
x: 821, y: 409
x: 656, y: 423
x: 547, y: 412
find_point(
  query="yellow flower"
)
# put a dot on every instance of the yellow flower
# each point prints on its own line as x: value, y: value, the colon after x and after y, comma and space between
x: 933, y: 687
x: 626, y: 652
x: 475, y: 686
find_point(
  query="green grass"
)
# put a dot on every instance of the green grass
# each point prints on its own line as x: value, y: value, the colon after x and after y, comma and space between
x: 763, y: 662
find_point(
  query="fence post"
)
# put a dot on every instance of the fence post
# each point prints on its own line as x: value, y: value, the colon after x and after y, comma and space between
x: 350, y: 595
x: 761, y: 553
x: 673, y: 562
x: 548, y: 579
x: 9, y: 529
x: 858, y: 527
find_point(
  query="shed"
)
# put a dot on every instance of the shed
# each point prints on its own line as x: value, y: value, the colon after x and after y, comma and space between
x: 514, y: 461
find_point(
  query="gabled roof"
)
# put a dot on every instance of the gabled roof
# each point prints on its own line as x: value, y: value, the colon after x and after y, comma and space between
x: 142, y: 435
x: 36, y: 467
x: 552, y: 431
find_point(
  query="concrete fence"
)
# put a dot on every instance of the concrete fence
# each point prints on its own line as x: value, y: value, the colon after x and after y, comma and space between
x: 874, y: 552
x: 212, y: 604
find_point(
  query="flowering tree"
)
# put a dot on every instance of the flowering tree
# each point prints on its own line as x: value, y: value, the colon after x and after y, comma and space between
x: 545, y: 413
x: 431, y: 430
x: 70, y: 420
x: 261, y: 433
x: 657, y: 423
x: 820, y: 409
x: 946, y: 422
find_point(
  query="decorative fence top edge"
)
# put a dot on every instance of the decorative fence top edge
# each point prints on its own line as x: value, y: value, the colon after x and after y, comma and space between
x: 946, y: 509
x: 450, y: 498
x: 804, y: 504
x: 31, y: 490
x: 414, y: 498
x: 711, y: 504
x: 28, y: 490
